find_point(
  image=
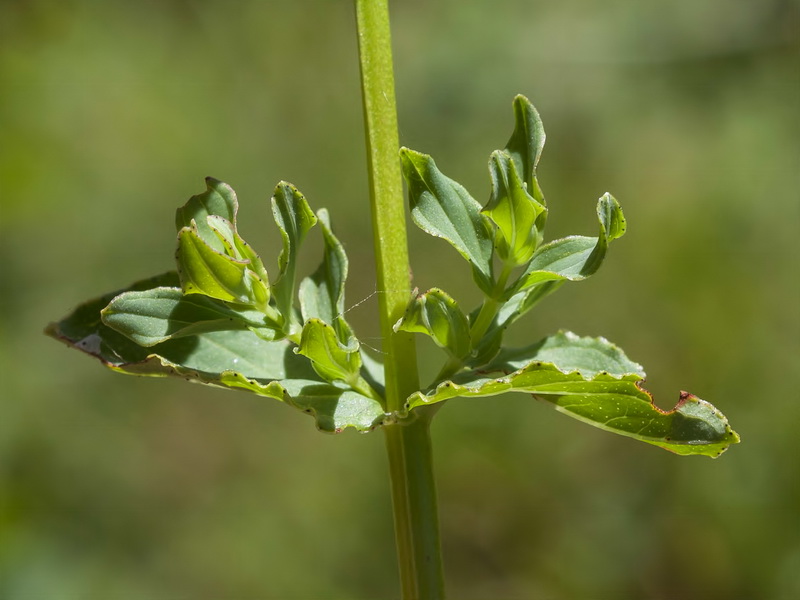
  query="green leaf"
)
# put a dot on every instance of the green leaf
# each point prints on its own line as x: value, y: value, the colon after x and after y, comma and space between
x: 234, y: 359
x: 149, y: 317
x: 436, y: 314
x: 576, y: 257
x: 443, y: 208
x: 525, y: 148
x: 587, y: 355
x: 295, y: 219
x: 203, y: 270
x: 236, y: 247
x: 213, y: 214
x: 513, y: 210
x: 526, y: 143
x: 219, y: 199
x: 212, y: 257
x: 329, y: 357
x: 322, y: 294
x: 593, y: 381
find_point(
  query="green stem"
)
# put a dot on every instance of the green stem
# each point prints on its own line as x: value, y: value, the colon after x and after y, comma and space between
x: 490, y: 307
x: 414, y: 504
x: 408, y: 445
x: 485, y: 317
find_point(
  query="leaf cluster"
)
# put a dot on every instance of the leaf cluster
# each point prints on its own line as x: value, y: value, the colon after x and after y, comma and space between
x: 219, y: 319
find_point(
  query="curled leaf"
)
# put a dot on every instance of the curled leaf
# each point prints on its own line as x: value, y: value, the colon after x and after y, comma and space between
x: 203, y: 270
x: 513, y: 210
x: 295, y: 219
x: 322, y: 294
x: 329, y: 357
x: 526, y: 143
x: 212, y: 257
x: 213, y: 215
x: 235, y: 246
x: 219, y: 200
x: 436, y: 314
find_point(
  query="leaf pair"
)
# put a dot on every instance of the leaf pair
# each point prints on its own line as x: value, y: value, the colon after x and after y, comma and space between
x: 217, y: 321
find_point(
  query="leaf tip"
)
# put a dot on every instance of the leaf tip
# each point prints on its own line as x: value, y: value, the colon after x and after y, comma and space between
x: 287, y: 189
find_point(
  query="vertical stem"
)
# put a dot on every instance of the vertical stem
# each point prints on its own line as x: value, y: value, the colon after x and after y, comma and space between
x: 415, y: 513
x: 408, y: 445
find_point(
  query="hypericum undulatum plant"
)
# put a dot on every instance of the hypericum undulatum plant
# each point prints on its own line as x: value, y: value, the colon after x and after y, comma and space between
x: 218, y: 319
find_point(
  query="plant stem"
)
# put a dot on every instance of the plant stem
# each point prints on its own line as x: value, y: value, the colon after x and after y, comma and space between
x: 490, y: 307
x: 415, y: 513
x: 408, y: 445
x: 386, y: 197
x: 485, y: 317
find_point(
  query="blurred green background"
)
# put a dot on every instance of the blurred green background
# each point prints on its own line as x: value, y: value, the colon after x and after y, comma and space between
x: 112, y: 112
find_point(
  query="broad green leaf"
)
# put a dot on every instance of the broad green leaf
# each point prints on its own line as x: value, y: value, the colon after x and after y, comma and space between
x: 295, y: 219
x: 329, y: 357
x: 203, y: 270
x: 443, y: 208
x: 322, y: 294
x: 149, y: 317
x: 235, y: 359
x: 436, y: 314
x: 513, y: 210
x: 576, y: 257
x: 609, y: 399
x: 526, y: 143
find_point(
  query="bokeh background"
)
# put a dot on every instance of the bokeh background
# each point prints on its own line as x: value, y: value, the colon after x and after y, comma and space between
x: 112, y: 112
